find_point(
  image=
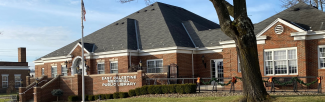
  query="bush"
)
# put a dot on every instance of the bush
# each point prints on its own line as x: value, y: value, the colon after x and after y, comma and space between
x: 164, y: 89
x: 180, y: 88
x: 151, y: 89
x: 137, y: 91
x: 172, y: 88
x: 116, y: 95
x: 187, y: 88
x: 17, y: 97
x: 102, y: 96
x: 132, y: 93
x: 86, y: 97
x: 73, y: 98
x: 96, y: 97
x: 144, y: 90
x: 157, y: 89
x: 193, y: 88
x: 90, y: 97
x: 123, y: 94
x: 108, y: 96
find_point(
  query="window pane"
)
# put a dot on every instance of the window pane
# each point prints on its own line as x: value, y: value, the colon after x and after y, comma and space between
x: 4, y: 84
x: 268, y: 67
x: 322, y: 52
x: 53, y: 71
x: 322, y: 62
x: 292, y: 66
x: 159, y: 63
x: 17, y: 78
x: 17, y: 84
x: 268, y: 55
x: 291, y: 54
x: 280, y: 55
x: 4, y: 78
x: 280, y: 67
x: 151, y: 64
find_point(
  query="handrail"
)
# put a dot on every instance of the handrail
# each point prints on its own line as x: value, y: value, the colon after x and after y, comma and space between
x: 32, y: 87
x: 34, y: 82
x: 50, y: 81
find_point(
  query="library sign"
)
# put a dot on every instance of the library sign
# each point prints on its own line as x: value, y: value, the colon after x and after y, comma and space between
x: 119, y: 81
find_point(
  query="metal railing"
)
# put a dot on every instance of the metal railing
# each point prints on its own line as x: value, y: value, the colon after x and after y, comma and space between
x: 277, y: 84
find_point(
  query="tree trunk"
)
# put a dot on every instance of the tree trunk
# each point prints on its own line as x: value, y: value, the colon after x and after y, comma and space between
x: 241, y: 30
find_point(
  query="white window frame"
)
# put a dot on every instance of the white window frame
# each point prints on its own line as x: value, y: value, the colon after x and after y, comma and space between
x: 287, y: 60
x: 238, y: 65
x: 103, y: 68
x: 42, y: 71
x: 52, y: 71
x: 4, y: 81
x: 318, y: 51
x: 18, y: 80
x: 64, y: 73
x: 155, y: 62
x: 110, y: 66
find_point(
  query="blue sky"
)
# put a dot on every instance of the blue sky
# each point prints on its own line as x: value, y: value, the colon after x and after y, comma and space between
x: 42, y: 26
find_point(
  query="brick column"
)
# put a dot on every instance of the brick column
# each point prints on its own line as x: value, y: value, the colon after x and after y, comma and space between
x: 140, y: 78
x: 27, y: 80
x: 22, y: 96
x: 37, y: 94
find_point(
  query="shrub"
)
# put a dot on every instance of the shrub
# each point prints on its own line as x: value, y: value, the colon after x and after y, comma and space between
x: 86, y: 97
x: 151, y: 89
x: 187, y: 88
x: 90, y: 97
x: 96, y: 97
x: 116, y: 95
x: 17, y: 97
x: 73, y: 98
x: 180, y: 89
x: 137, y: 91
x: 131, y: 93
x: 157, y: 89
x: 123, y: 94
x: 102, y: 96
x: 193, y: 88
x: 144, y: 90
x: 109, y: 96
x: 164, y: 89
x: 171, y: 88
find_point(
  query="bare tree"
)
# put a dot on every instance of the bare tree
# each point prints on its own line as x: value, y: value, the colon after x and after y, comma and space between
x: 315, y: 3
x: 241, y: 30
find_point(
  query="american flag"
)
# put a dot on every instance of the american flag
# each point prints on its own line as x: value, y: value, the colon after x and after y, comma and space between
x: 83, y: 11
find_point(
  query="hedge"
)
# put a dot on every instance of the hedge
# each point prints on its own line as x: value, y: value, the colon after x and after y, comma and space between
x: 73, y: 98
x: 137, y: 91
x: 91, y: 98
x: 123, y: 94
x: 96, y: 97
x: 109, y: 96
x: 151, y: 89
x: 165, y: 89
x: 143, y: 90
x: 172, y: 88
x: 157, y: 89
x: 116, y: 95
x: 102, y: 96
x: 131, y: 93
x: 180, y: 89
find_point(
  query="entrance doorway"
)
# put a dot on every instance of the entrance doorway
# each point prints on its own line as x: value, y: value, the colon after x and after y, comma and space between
x: 217, y: 69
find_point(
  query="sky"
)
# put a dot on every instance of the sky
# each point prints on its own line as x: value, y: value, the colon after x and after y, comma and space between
x: 43, y: 26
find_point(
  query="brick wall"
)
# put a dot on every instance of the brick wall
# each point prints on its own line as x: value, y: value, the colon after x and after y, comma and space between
x: 11, y: 77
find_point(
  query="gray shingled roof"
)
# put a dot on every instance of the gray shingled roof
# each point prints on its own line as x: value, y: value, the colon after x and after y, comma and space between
x: 159, y: 25
x: 301, y: 14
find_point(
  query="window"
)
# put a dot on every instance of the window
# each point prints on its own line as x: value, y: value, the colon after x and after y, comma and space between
x: 17, y: 80
x: 5, y: 80
x: 238, y: 65
x: 54, y: 71
x: 114, y: 67
x: 64, y: 70
x: 321, y: 56
x: 280, y: 61
x: 155, y: 66
x: 101, y: 68
x: 42, y: 71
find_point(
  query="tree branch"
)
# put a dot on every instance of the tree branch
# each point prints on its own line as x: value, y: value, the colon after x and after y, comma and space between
x: 223, y: 16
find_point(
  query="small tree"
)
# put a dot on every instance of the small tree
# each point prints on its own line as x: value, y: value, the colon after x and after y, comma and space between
x: 57, y: 93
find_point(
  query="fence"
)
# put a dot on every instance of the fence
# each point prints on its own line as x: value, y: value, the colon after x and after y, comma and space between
x: 272, y: 84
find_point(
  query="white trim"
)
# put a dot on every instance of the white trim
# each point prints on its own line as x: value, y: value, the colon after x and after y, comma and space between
x: 287, y: 63
x: 76, y: 47
x: 295, y: 27
x: 231, y: 43
x: 308, y: 35
x: 318, y: 57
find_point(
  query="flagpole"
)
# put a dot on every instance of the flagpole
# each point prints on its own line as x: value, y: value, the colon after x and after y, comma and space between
x: 82, y: 53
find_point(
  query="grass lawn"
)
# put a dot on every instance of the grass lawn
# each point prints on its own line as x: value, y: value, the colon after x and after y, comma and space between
x: 294, y: 98
x: 5, y: 95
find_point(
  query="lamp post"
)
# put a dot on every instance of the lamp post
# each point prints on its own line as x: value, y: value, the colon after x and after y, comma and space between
x: 21, y: 82
x: 36, y: 82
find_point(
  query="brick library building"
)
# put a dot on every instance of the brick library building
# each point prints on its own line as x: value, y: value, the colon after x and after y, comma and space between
x: 160, y: 37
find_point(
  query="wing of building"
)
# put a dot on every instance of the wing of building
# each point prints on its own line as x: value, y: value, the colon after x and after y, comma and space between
x: 290, y: 43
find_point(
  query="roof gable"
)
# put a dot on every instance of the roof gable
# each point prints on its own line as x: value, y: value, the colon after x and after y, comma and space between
x: 291, y: 25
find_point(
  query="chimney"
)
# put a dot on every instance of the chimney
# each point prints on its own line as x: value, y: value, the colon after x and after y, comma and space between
x: 21, y: 54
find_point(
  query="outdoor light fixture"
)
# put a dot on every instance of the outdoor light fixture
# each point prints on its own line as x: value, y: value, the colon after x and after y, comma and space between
x: 205, y: 65
x: 140, y: 65
x: 36, y: 81
x: 21, y: 82
x: 28, y: 73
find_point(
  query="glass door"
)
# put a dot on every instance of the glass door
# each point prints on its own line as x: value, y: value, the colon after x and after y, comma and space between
x: 217, y: 69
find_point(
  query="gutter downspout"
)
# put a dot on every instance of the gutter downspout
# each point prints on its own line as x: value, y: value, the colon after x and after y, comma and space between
x: 192, y: 66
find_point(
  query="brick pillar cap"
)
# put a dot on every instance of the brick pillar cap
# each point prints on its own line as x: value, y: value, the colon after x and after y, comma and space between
x: 140, y: 71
